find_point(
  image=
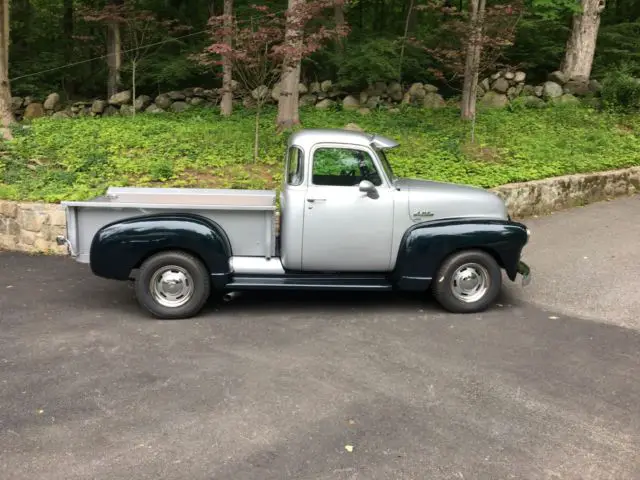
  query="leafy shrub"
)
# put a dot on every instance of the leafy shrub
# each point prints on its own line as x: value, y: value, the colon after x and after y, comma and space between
x: 618, y: 44
x: 621, y: 91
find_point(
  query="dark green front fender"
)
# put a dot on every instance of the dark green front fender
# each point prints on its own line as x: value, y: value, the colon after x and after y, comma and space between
x: 120, y: 247
x: 425, y: 246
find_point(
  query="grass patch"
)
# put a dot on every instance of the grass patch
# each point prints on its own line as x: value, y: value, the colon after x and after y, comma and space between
x: 64, y: 159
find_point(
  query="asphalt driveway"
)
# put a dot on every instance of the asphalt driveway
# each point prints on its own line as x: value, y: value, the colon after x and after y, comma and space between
x: 318, y: 386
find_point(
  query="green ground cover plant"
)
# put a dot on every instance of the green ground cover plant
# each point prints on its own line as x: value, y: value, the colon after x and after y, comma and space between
x: 74, y: 159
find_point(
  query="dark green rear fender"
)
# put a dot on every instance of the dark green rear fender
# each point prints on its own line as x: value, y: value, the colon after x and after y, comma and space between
x: 424, y: 247
x: 120, y: 247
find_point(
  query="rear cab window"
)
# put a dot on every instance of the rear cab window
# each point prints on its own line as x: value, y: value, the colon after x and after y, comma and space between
x: 295, y: 160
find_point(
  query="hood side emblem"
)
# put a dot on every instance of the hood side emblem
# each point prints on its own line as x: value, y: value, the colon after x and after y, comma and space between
x: 422, y: 213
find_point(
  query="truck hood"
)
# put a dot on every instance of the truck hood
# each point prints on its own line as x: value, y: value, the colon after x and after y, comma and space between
x: 429, y: 200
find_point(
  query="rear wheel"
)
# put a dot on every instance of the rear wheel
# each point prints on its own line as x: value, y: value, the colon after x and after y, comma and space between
x: 467, y: 282
x: 172, y: 285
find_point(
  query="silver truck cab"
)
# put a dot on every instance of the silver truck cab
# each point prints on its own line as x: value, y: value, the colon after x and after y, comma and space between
x: 346, y: 222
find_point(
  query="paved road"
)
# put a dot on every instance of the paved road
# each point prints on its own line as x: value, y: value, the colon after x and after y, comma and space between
x: 587, y: 262
x: 276, y: 386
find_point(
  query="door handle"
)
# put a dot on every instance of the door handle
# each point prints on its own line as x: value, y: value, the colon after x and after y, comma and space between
x: 312, y: 200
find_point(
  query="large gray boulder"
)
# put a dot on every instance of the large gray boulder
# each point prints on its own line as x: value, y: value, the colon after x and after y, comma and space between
x: 110, y: 111
x: 260, y: 93
x: 531, y: 101
x: 275, y: 92
x: 494, y: 100
x: 567, y: 98
x: 577, y: 86
x: 501, y: 85
x: 142, y: 102
x: 98, y: 106
x: 373, y: 102
x: 33, y: 110
x: 52, y: 101
x: 120, y: 98
x: 153, y: 108
x: 552, y: 90
x: 520, y: 77
x: 417, y: 91
x: 307, y: 100
x: 126, y: 110
x: 175, y: 95
x: 16, y: 103
x: 395, y: 91
x: 350, y: 103
x: 163, y: 101
x: 325, y: 104
x: 558, y: 77
x: 179, y: 107
x: 433, y: 100
x: 62, y: 114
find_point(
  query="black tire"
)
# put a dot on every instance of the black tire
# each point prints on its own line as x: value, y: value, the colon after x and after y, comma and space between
x: 189, y: 268
x: 481, y: 263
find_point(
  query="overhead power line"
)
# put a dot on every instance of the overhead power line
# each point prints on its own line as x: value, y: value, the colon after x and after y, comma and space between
x: 73, y: 64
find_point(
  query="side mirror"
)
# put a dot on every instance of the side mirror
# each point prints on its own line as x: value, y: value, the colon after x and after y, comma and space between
x: 366, y: 186
x: 369, y: 188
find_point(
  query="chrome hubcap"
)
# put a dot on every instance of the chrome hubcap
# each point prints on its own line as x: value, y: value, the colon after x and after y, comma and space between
x: 470, y: 282
x: 171, y: 286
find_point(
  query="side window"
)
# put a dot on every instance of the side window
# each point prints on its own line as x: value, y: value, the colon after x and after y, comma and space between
x: 343, y: 167
x: 294, y: 166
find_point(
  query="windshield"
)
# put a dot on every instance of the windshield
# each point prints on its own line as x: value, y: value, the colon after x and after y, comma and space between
x: 385, y: 165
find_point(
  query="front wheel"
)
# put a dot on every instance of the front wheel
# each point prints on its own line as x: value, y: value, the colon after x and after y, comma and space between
x: 467, y: 282
x: 172, y: 285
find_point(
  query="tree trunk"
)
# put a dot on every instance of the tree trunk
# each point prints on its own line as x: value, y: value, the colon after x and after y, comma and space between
x: 581, y: 45
x: 226, y: 104
x: 338, y: 9
x: 114, y: 55
x: 6, y: 115
x: 404, y: 39
x: 67, y: 29
x: 288, y: 114
x: 114, y: 59
x: 472, y: 63
x: 134, y: 66
x: 256, y: 138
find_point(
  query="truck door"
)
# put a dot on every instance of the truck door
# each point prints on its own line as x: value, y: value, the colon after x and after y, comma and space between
x: 346, y: 229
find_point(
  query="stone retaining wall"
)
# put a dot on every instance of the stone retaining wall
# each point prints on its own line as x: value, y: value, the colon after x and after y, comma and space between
x: 33, y: 227
x: 540, y: 197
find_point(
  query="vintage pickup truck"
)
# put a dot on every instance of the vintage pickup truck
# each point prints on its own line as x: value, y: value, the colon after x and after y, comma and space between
x: 346, y: 223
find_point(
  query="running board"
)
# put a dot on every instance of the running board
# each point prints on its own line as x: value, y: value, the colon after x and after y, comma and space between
x: 309, y: 282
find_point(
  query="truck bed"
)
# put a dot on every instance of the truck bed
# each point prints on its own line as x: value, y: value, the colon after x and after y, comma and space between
x: 178, y: 198
x: 247, y: 216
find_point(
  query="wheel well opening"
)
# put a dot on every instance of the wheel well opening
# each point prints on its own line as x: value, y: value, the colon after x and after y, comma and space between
x: 489, y: 251
x: 150, y: 254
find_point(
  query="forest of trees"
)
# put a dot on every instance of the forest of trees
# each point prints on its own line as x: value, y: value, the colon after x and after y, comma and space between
x: 83, y: 48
